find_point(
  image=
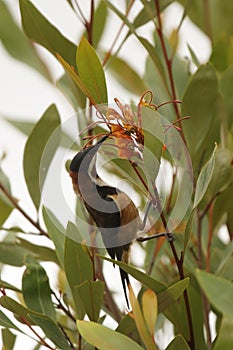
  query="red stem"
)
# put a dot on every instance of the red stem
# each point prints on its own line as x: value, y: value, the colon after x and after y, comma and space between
x: 168, y: 62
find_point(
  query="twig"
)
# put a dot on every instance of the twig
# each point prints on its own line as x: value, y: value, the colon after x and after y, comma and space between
x: 22, y: 211
x: 168, y: 62
x: 66, y: 336
x: 62, y: 307
x: 109, y: 52
x: 179, y: 264
x: 42, y: 341
x: 203, y: 213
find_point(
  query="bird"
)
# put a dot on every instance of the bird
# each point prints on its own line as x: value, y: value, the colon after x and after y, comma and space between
x: 113, y: 212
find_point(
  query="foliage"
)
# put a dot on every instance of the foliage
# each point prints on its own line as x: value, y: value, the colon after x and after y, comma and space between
x: 182, y: 281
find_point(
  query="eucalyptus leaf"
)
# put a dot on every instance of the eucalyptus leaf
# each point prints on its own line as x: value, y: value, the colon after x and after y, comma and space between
x: 91, y: 293
x: 17, y: 44
x: 39, y: 137
x: 199, y: 102
x: 104, y: 338
x: 56, y: 232
x: 91, y: 72
x: 178, y: 343
x: 224, y: 336
x: 6, y: 206
x: 51, y: 330
x: 218, y: 290
x: 77, y: 264
x: 126, y: 75
x: 8, y: 339
x: 204, y: 179
x: 50, y: 37
x: 6, y: 322
x: 36, y: 289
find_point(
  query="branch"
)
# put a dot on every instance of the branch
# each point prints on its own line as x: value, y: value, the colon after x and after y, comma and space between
x: 168, y: 62
x: 179, y: 264
x: 21, y: 210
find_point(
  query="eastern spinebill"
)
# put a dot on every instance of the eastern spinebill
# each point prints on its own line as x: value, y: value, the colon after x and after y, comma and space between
x: 113, y: 212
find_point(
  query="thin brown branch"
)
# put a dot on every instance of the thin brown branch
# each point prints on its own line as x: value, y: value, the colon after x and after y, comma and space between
x: 204, y: 212
x: 179, y: 264
x: 168, y: 62
x: 109, y: 52
x: 210, y: 236
x: 22, y: 211
x: 42, y: 340
x: 62, y: 307
x: 66, y: 335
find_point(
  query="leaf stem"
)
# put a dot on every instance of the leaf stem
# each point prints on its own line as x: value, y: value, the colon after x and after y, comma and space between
x: 22, y: 211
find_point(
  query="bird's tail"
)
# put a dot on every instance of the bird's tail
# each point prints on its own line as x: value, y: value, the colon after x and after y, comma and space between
x: 125, y: 282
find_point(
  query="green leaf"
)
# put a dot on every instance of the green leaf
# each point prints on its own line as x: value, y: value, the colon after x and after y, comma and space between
x: 126, y: 76
x: 218, y: 290
x: 173, y: 292
x: 188, y: 230
x: 8, y: 339
x: 77, y: 264
x: 222, y: 52
x: 50, y: 37
x: 99, y: 22
x: 51, y: 330
x: 24, y: 315
x: 26, y: 128
x: 6, y: 322
x: 219, y: 17
x: 104, y: 338
x: 202, y: 184
x: 19, y: 311
x: 150, y: 309
x: 222, y: 174
x: 142, y: 277
x: 204, y: 179
x: 166, y: 295
x: 14, y: 251
x: 56, y: 232
x: 149, y: 12
x: 225, y: 336
x: 199, y: 102
x: 16, y: 42
x: 39, y: 252
x: 6, y: 285
x: 223, y: 206
x: 36, y: 143
x: 127, y: 326
x: 91, y: 293
x: 71, y: 91
x: 36, y: 289
x: 178, y: 343
x: 154, y: 139
x: 91, y: 72
x: 5, y: 205
x: 225, y: 85
x: 140, y: 321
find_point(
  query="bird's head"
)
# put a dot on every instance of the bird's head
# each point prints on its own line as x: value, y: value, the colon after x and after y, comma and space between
x: 81, y: 162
